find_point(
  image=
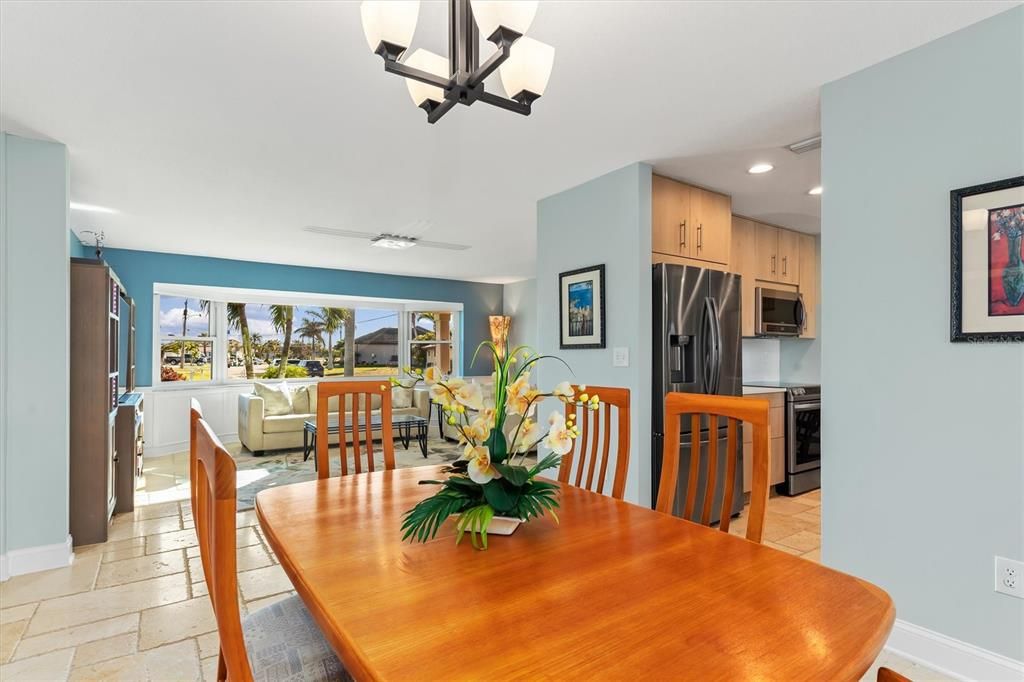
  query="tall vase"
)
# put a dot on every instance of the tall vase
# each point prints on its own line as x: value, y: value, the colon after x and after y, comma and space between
x: 1013, y: 273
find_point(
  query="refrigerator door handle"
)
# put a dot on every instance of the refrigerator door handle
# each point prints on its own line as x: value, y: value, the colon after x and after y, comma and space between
x: 713, y: 354
x: 717, y: 320
x: 705, y: 348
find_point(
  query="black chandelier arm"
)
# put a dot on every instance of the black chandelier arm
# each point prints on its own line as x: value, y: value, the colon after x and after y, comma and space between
x: 503, y: 103
x: 503, y: 38
x: 417, y: 74
x: 435, y: 112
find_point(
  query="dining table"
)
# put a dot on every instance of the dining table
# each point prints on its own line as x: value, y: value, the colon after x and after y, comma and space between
x: 611, y: 590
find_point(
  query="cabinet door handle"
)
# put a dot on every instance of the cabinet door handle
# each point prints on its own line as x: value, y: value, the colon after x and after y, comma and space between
x: 773, y: 265
x: 682, y: 233
x: 700, y: 236
x: 784, y: 264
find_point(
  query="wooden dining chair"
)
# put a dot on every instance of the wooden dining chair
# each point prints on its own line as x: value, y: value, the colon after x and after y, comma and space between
x: 735, y: 409
x: 280, y: 641
x: 586, y: 455
x: 355, y: 412
x: 890, y: 675
x: 195, y: 414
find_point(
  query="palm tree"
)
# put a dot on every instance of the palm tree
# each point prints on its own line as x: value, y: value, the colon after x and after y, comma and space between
x: 349, y: 318
x: 257, y: 344
x: 330, y: 319
x: 238, y: 320
x: 282, y: 317
x: 311, y: 329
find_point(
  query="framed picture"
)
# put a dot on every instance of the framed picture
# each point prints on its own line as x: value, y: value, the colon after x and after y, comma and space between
x: 581, y: 308
x: 987, y: 279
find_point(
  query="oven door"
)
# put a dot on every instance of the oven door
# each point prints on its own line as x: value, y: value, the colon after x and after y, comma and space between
x: 803, y: 431
x: 778, y: 312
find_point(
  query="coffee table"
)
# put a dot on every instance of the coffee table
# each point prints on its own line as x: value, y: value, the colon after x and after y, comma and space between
x: 406, y: 427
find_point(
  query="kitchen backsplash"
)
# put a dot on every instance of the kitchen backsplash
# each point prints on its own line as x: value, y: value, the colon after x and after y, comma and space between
x: 782, y: 360
x: 760, y: 360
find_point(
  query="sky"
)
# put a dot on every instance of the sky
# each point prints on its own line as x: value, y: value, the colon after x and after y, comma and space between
x: 172, y: 309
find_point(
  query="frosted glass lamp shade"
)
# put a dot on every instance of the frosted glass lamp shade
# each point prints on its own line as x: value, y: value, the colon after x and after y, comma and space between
x: 392, y: 21
x: 431, y: 62
x: 514, y: 14
x: 528, y: 67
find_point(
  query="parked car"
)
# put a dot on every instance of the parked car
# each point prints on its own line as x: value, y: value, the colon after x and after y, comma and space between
x: 314, y: 368
x: 172, y: 360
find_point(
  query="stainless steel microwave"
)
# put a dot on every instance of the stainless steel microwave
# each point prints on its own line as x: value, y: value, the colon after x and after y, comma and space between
x: 778, y: 312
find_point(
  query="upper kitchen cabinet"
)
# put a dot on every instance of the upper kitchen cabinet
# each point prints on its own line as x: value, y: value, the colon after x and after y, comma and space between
x: 690, y: 223
x: 809, y: 283
x: 778, y: 254
x: 670, y: 216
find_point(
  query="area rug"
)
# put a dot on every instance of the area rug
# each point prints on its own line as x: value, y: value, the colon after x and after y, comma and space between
x: 281, y: 467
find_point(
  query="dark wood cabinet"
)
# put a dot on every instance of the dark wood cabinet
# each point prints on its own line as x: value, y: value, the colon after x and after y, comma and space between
x: 128, y: 442
x: 95, y: 327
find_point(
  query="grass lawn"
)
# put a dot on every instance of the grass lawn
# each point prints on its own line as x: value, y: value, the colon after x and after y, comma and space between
x: 362, y: 371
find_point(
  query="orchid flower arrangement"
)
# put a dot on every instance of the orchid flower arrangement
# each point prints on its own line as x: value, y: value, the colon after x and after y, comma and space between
x: 491, y: 477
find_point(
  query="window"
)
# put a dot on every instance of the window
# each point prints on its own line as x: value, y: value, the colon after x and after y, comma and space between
x: 186, y: 342
x: 317, y: 339
x: 220, y: 335
x: 431, y: 340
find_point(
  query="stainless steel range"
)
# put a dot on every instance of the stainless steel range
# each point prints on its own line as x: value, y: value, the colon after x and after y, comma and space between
x: 803, y: 437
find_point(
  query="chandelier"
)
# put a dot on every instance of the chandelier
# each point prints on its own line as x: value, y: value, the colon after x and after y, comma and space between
x: 436, y: 83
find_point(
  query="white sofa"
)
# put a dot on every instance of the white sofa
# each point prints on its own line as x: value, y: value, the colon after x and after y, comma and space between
x: 260, y: 432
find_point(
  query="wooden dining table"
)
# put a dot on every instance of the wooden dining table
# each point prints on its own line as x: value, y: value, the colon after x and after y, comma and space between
x: 612, y: 591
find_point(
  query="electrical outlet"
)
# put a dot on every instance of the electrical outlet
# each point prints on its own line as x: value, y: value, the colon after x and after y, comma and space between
x: 1010, y: 577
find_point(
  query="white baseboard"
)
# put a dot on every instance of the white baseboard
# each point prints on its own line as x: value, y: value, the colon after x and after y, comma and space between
x: 182, y: 446
x: 950, y: 656
x: 33, y: 559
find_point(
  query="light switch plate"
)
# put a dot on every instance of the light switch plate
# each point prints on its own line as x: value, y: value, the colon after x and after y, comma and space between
x: 620, y: 357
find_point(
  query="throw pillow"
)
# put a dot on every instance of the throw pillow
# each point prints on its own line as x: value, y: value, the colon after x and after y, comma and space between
x: 300, y: 400
x: 277, y: 400
x: 401, y: 398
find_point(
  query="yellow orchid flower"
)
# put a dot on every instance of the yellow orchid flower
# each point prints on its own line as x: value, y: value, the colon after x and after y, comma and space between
x: 529, y: 432
x: 470, y: 395
x: 563, y: 392
x: 480, y: 468
x: 432, y: 375
x: 559, y: 438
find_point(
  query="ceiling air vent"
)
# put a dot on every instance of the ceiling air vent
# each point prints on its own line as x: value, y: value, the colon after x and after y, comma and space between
x: 804, y: 146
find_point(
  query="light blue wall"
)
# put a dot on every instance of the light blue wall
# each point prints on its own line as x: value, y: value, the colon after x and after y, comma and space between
x: 34, y: 346
x: 138, y: 270
x: 520, y: 302
x: 923, y: 472
x: 606, y: 220
x: 76, y: 249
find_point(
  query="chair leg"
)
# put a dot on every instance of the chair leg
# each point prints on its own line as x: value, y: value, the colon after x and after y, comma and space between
x: 222, y: 668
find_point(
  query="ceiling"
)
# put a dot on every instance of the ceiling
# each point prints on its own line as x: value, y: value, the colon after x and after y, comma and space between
x: 224, y: 128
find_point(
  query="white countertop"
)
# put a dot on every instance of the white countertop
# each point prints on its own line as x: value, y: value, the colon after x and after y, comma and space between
x: 757, y: 390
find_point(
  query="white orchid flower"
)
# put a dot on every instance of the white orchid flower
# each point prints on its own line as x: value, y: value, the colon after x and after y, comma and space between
x: 432, y: 375
x: 480, y: 468
x: 529, y: 432
x: 564, y: 392
x: 470, y: 395
x: 559, y: 438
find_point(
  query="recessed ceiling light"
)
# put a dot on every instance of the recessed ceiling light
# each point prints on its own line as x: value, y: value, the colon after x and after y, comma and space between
x: 759, y: 168
x: 814, y: 191
x: 75, y: 206
x: 390, y: 241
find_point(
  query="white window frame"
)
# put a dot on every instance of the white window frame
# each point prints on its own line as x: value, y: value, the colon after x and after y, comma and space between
x: 219, y: 297
x: 219, y: 347
x: 454, y: 343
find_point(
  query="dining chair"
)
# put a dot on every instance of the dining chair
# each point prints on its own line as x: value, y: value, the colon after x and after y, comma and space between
x: 354, y: 414
x: 280, y: 641
x: 195, y: 414
x: 890, y: 675
x: 591, y: 434
x: 735, y: 409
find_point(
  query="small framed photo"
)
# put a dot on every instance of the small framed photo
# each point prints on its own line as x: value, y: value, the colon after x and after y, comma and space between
x: 581, y: 308
x: 987, y: 262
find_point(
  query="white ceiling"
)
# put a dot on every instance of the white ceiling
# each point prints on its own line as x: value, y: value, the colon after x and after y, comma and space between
x: 224, y: 128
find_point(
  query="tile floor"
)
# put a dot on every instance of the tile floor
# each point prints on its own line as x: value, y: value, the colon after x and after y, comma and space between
x: 136, y: 607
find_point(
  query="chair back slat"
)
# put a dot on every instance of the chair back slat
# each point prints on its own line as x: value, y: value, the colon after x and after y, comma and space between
x: 754, y: 411
x: 592, y: 450
x: 355, y: 416
x: 214, y: 511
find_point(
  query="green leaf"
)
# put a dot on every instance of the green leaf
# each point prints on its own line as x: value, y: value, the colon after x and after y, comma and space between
x: 497, y: 445
x: 514, y: 474
x: 551, y: 461
x: 498, y: 497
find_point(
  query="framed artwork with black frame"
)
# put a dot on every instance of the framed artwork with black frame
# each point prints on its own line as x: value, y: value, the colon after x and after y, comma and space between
x: 581, y: 314
x: 987, y: 261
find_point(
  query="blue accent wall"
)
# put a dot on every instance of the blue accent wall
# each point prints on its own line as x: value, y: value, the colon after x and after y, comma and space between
x: 76, y: 249
x: 139, y: 270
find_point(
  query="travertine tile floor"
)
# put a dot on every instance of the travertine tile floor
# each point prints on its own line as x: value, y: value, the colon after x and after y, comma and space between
x: 136, y: 607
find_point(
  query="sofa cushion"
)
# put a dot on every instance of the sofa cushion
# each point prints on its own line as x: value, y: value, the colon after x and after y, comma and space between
x: 401, y: 398
x: 286, y: 423
x: 277, y: 400
x: 311, y: 391
x: 300, y: 400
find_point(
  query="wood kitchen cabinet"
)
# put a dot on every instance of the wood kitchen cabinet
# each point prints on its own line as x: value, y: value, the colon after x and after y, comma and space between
x: 744, y: 261
x: 808, y: 286
x: 777, y: 444
x: 778, y: 254
x: 690, y: 222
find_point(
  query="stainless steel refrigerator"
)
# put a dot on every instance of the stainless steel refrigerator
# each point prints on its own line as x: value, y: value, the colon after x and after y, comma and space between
x: 696, y: 350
